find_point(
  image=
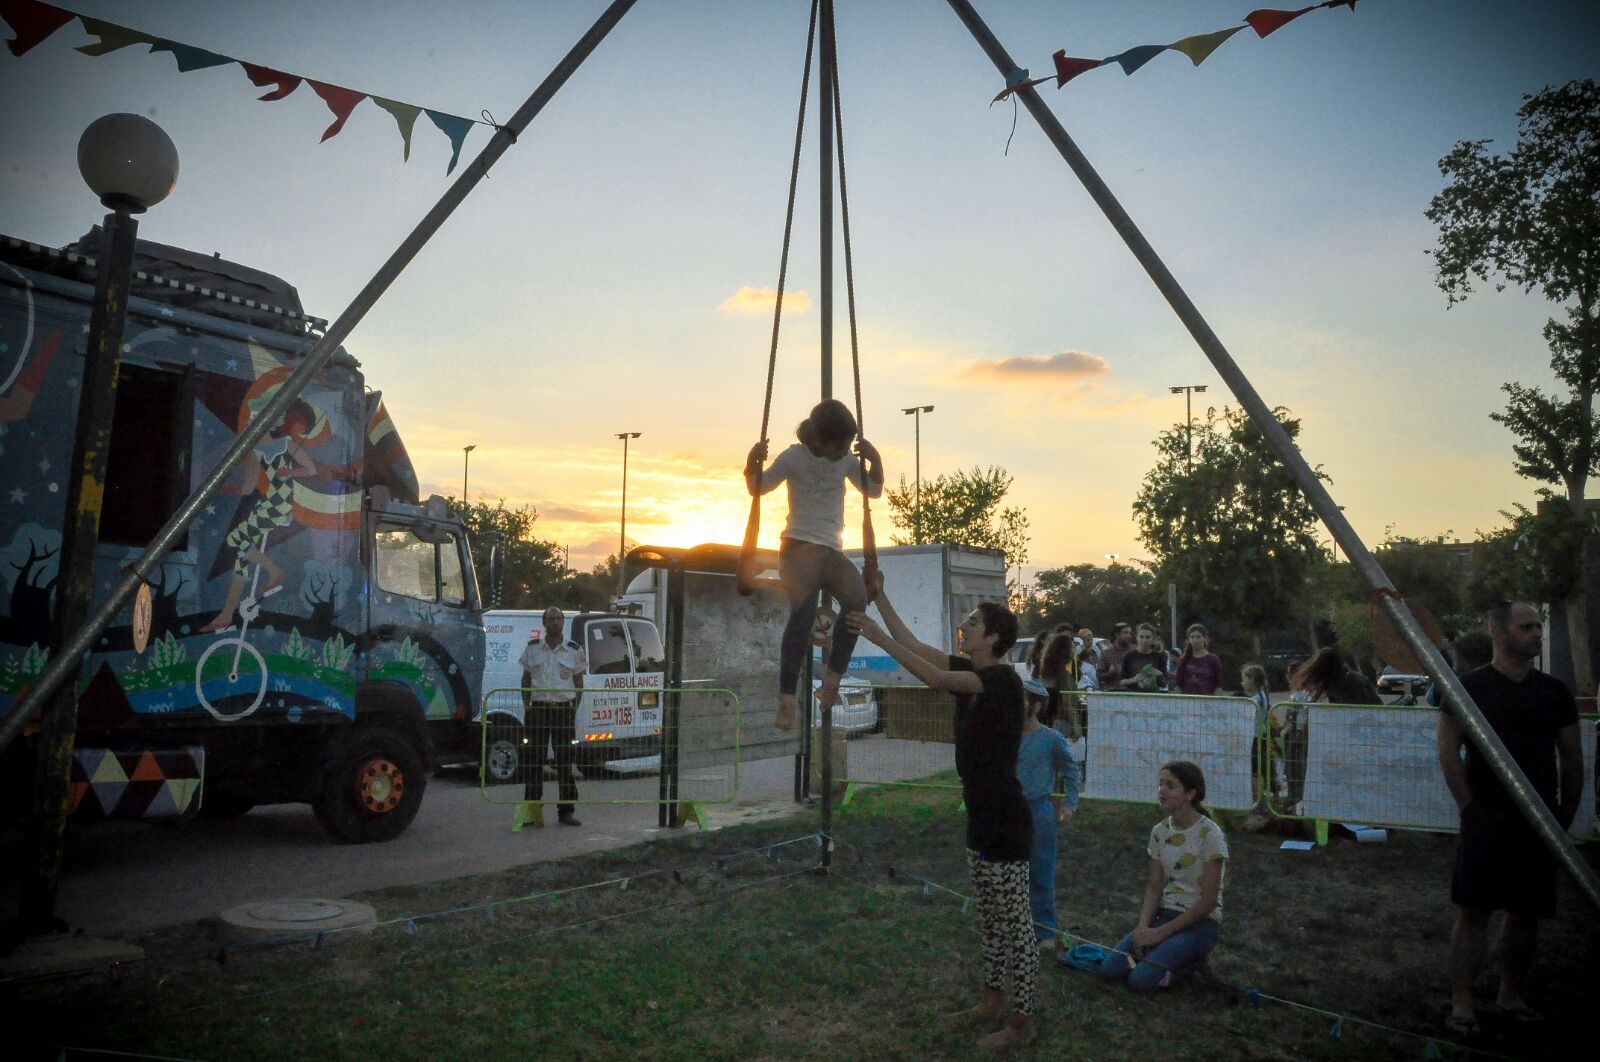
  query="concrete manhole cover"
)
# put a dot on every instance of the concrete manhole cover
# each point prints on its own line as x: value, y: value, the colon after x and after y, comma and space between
x: 300, y: 916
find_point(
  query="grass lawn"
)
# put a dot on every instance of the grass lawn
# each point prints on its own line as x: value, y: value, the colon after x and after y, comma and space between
x: 755, y: 957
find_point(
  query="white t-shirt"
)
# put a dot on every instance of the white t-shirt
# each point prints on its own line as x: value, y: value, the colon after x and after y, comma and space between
x: 1184, y: 854
x: 816, y: 492
x: 544, y: 664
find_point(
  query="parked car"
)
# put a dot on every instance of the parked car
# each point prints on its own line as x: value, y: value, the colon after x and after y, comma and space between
x: 1017, y: 657
x: 857, y: 710
x: 1392, y: 681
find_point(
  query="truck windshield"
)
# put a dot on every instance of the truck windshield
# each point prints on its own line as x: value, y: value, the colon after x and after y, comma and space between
x: 426, y: 571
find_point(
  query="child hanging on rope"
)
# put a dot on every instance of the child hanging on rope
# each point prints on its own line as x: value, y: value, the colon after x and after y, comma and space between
x: 809, y: 558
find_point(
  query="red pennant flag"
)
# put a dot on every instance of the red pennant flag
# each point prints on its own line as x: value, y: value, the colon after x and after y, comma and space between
x: 1268, y: 20
x: 262, y: 76
x: 33, y: 22
x: 1068, y: 68
x: 341, y: 101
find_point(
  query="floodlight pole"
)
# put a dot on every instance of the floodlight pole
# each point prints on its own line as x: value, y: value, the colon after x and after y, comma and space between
x: 66, y: 659
x: 1472, y: 719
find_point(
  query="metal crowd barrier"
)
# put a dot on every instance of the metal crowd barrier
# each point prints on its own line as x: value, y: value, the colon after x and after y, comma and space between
x: 677, y: 749
x: 1359, y: 764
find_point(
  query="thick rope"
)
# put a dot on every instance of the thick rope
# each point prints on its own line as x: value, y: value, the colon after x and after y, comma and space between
x: 746, y: 576
x: 869, y: 539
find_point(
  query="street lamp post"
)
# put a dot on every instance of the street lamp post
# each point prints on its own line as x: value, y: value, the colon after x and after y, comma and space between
x: 916, y: 412
x: 131, y: 165
x: 466, y: 455
x: 622, y: 537
x: 1188, y: 391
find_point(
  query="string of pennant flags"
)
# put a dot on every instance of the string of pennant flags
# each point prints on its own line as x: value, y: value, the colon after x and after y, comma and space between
x: 34, y: 22
x: 1198, y: 47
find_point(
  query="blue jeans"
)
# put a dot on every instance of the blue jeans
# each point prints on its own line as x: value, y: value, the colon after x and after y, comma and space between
x: 1042, y: 870
x: 1166, y: 963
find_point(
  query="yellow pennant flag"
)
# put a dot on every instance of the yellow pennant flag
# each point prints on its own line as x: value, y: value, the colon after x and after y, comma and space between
x: 1199, y: 47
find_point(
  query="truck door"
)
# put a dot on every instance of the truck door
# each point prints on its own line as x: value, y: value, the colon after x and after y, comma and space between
x: 650, y: 665
x: 607, y: 698
x: 425, y: 626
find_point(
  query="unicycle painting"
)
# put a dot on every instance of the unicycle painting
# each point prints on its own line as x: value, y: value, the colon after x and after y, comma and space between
x: 238, y: 690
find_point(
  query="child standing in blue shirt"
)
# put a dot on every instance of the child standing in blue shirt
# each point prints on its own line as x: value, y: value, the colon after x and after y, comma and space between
x: 1044, y: 754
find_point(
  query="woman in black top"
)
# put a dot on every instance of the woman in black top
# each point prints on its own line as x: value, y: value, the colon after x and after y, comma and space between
x: 989, y: 718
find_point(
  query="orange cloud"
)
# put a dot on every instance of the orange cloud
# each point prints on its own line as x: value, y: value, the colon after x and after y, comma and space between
x: 762, y: 300
x: 1032, y: 369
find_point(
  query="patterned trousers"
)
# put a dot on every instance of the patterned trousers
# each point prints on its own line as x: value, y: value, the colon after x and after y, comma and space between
x: 1007, y: 924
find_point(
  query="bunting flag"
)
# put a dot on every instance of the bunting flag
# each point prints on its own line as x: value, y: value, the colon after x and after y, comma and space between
x: 1198, y: 48
x: 33, y: 22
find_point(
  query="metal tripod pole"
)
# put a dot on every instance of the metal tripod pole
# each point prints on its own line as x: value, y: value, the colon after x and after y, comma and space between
x: 1477, y: 727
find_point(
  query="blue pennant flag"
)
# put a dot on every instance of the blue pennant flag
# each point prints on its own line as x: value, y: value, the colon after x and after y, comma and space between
x: 456, y: 129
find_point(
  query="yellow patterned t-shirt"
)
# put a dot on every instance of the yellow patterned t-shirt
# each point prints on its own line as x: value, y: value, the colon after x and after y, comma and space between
x: 1183, y: 855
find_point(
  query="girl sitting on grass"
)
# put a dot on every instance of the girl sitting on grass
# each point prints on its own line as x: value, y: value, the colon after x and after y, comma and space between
x: 809, y: 558
x: 1180, y: 919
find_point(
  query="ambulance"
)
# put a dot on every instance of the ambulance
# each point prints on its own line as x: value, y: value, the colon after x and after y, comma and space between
x: 619, y: 714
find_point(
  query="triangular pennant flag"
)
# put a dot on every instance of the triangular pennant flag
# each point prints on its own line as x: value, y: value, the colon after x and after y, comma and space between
x: 1069, y: 67
x: 454, y: 127
x: 262, y: 76
x: 1135, y: 57
x: 32, y: 21
x: 112, y: 36
x: 405, y: 116
x: 1267, y: 20
x: 1199, y: 47
x: 189, y: 57
x: 341, y: 101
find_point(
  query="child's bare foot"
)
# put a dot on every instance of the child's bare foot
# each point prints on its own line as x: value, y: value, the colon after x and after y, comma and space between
x: 786, y: 712
x: 828, y: 695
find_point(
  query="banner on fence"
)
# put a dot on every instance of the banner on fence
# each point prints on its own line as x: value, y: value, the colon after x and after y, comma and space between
x: 1131, y: 735
x: 1381, y: 766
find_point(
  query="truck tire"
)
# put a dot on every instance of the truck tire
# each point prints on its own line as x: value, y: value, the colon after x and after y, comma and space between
x: 372, y: 785
x: 505, y: 760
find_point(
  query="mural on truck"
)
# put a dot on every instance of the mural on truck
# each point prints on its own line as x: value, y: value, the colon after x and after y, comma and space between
x: 265, y: 611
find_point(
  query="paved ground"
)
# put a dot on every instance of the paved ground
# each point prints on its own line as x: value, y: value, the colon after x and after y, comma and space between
x: 125, y: 877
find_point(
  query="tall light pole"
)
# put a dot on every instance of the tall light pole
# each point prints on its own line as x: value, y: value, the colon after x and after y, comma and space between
x: 131, y: 164
x: 622, y: 537
x: 1188, y: 391
x: 466, y: 455
x: 916, y: 412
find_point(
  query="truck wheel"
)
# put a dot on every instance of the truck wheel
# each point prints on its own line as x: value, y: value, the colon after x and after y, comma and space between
x: 504, y: 760
x: 372, y: 786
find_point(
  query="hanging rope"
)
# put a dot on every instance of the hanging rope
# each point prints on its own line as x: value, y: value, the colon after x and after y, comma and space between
x: 746, y: 579
x: 869, y: 540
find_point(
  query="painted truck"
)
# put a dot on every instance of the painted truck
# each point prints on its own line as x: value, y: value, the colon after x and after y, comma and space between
x: 731, y: 641
x: 317, y: 630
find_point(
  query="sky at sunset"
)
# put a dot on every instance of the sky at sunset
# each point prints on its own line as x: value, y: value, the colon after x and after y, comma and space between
x: 614, y: 273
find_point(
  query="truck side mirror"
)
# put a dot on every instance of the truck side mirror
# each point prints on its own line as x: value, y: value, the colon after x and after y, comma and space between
x: 497, y: 571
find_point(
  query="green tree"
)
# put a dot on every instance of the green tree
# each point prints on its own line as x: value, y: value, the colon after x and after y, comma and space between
x: 962, y: 508
x: 1232, y: 529
x: 532, y: 571
x: 1094, y: 596
x: 1531, y: 218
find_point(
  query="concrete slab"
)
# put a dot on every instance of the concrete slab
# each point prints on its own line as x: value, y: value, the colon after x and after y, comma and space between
x: 65, y: 953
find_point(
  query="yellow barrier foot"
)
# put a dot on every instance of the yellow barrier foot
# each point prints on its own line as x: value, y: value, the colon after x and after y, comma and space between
x: 691, y: 809
x: 1322, y: 832
x: 526, y: 813
x: 849, y: 794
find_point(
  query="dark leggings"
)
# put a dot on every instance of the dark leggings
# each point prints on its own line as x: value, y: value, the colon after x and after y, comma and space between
x: 806, y: 568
